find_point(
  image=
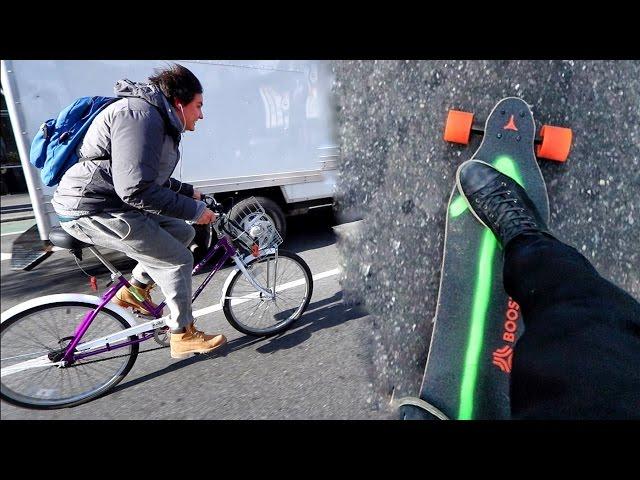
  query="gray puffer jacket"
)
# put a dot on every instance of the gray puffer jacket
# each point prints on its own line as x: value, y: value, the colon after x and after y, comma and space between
x: 139, y: 136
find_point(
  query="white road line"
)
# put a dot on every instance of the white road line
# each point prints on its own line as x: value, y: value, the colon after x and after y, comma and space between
x: 295, y: 283
x: 11, y: 233
x: 217, y: 307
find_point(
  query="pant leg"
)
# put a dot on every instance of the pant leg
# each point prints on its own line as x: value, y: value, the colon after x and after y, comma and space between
x: 178, y: 229
x: 579, y: 356
x: 141, y: 236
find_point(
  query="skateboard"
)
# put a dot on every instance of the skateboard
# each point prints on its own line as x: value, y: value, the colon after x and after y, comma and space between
x: 477, y: 324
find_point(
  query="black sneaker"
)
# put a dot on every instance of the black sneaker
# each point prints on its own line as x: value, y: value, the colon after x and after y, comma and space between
x: 498, y: 202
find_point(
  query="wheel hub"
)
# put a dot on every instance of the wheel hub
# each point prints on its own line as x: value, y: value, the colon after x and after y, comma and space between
x: 58, y: 355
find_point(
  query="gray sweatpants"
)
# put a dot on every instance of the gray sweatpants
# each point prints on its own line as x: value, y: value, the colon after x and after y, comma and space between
x: 159, y: 245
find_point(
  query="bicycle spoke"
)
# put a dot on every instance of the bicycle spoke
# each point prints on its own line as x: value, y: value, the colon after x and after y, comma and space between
x: 264, y: 310
x: 44, y: 323
x: 245, y: 307
x: 287, y: 304
x: 52, y: 328
x: 285, y: 296
x: 254, y: 310
x: 32, y: 341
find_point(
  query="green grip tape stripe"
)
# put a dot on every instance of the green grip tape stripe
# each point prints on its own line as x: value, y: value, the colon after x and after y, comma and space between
x: 481, y: 298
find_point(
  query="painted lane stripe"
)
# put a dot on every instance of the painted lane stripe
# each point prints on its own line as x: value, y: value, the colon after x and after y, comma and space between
x: 11, y: 233
x: 15, y: 227
x: 295, y: 283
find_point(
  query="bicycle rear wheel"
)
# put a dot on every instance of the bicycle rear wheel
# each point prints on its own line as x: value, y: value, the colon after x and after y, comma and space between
x: 253, y: 313
x: 34, y: 334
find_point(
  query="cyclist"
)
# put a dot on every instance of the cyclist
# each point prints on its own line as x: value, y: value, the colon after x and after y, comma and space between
x: 125, y: 199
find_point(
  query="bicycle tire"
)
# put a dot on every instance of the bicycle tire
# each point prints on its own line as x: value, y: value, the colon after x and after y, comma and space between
x: 9, y: 395
x: 280, y: 326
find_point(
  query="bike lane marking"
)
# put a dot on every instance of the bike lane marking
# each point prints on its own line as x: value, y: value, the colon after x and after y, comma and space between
x: 286, y: 286
x: 15, y: 227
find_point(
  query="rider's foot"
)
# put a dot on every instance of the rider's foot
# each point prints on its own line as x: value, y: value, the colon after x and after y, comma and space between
x: 194, y: 341
x: 498, y: 202
x: 126, y: 299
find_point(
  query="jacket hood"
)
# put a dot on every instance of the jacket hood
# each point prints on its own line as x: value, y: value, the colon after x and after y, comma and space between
x: 153, y: 95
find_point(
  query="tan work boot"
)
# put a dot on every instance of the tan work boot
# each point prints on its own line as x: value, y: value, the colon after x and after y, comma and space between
x: 126, y: 299
x: 194, y: 341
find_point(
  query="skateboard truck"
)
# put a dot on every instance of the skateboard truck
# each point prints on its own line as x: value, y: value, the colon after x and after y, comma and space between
x: 552, y: 143
x: 411, y: 408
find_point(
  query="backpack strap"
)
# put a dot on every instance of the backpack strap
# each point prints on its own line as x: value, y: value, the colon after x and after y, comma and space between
x: 94, y: 159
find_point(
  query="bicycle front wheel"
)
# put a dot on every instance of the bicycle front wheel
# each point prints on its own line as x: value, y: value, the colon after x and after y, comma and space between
x: 255, y: 313
x: 29, y: 339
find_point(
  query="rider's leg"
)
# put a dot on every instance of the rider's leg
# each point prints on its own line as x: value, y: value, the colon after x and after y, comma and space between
x: 153, y: 241
x: 578, y: 356
x: 138, y: 235
x: 178, y: 229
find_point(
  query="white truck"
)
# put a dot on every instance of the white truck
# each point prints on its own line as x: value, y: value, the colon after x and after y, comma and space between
x: 268, y: 132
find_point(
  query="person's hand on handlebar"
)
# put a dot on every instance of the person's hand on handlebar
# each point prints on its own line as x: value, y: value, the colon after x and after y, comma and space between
x: 207, y: 217
x: 211, y: 203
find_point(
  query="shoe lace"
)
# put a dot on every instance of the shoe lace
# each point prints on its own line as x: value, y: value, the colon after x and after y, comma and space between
x: 197, y: 333
x: 509, y: 216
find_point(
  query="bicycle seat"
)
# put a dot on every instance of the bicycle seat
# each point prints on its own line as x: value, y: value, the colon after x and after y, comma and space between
x: 61, y: 238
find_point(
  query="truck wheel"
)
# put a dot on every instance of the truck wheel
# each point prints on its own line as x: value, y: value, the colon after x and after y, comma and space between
x: 271, y: 208
x: 201, y: 242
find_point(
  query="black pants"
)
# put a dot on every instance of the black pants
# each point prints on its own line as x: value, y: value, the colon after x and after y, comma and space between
x: 579, y: 356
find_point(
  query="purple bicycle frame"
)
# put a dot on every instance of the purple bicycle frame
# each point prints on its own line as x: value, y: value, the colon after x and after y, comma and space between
x: 229, y: 251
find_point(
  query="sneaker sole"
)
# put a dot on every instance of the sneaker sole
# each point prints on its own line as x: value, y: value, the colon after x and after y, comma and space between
x: 191, y: 352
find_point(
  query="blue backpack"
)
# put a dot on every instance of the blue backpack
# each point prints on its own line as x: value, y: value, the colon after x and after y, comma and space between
x: 53, y: 149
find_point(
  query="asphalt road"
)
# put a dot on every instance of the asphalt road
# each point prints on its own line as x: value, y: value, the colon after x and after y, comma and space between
x: 398, y: 171
x: 320, y: 369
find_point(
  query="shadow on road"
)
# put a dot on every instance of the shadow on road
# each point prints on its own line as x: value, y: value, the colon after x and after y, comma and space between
x: 312, y: 321
x: 310, y: 231
x: 326, y: 313
x: 62, y: 275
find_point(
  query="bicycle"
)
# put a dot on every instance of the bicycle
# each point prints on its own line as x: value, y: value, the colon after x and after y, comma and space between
x: 57, y: 350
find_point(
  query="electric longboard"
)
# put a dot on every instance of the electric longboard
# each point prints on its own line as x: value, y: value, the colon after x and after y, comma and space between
x: 476, y: 324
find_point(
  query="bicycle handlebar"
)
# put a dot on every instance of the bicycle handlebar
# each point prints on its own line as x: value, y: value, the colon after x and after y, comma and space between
x: 223, y: 219
x: 211, y: 203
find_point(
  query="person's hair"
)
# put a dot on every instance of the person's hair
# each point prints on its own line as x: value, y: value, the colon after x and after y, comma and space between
x: 176, y: 83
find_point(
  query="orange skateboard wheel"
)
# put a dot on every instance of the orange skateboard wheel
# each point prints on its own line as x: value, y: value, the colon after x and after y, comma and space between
x: 556, y: 142
x: 458, y: 127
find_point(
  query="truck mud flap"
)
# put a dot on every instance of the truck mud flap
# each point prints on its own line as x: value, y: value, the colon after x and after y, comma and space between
x: 29, y: 250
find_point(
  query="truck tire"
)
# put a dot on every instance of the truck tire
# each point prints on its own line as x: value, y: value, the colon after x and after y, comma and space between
x: 271, y: 208
x: 202, y: 241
